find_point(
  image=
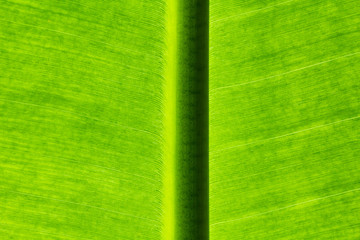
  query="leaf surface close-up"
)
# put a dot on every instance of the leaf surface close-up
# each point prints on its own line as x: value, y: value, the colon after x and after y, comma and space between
x: 81, y: 119
x: 179, y: 119
x: 284, y: 119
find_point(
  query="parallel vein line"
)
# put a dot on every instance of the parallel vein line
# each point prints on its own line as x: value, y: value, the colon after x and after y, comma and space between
x: 79, y: 115
x: 288, y: 134
x: 77, y: 36
x: 253, y: 11
x: 289, y: 206
x: 285, y: 73
x: 79, y: 204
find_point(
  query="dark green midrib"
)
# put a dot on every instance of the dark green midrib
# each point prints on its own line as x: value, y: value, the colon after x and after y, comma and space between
x: 189, y: 162
x: 192, y: 121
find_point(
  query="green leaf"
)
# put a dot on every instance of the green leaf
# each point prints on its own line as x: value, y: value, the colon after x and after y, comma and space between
x: 81, y: 134
x: 284, y: 119
x: 164, y: 119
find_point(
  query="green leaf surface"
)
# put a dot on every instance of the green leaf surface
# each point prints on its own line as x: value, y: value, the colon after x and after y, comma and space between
x: 284, y: 119
x: 81, y: 98
x: 164, y: 119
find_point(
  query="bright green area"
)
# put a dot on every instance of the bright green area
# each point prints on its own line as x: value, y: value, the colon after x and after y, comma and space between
x: 284, y: 119
x: 104, y: 117
x: 169, y: 187
x: 81, y: 119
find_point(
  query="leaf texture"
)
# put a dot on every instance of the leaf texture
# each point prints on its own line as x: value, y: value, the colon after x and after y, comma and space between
x: 81, y: 119
x: 114, y: 115
x: 284, y: 119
